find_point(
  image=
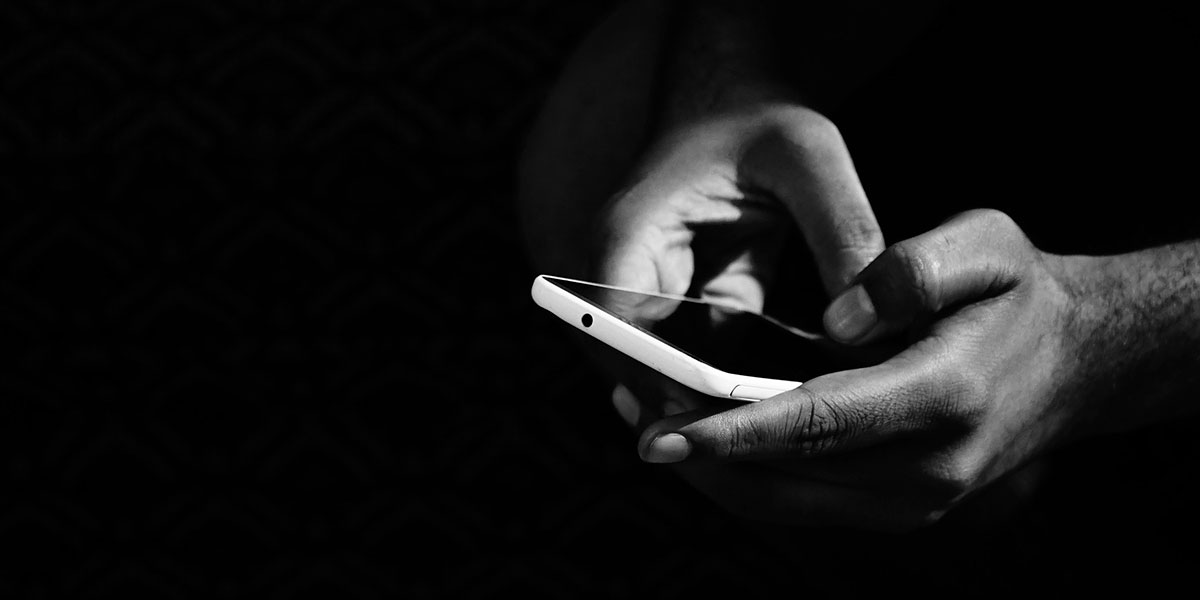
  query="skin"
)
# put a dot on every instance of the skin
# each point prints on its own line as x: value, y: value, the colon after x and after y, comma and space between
x: 1024, y: 351
x: 1005, y: 351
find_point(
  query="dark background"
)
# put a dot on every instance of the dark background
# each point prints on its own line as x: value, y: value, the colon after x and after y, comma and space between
x: 270, y: 336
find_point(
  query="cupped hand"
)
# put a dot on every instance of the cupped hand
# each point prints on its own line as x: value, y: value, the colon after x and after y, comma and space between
x: 707, y: 210
x: 988, y: 382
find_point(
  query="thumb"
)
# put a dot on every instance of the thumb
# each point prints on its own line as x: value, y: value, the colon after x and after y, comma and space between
x: 971, y: 256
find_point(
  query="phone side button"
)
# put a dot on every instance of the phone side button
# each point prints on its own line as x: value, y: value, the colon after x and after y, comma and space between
x: 749, y: 392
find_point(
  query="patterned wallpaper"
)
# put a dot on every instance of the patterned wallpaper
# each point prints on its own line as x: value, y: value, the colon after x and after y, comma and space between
x: 269, y: 331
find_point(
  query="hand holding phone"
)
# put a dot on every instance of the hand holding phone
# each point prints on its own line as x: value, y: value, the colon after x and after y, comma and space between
x: 711, y: 348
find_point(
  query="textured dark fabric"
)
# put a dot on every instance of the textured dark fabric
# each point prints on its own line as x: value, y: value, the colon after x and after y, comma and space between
x: 269, y: 335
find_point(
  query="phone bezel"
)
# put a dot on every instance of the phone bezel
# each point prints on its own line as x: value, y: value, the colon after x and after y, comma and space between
x: 649, y: 349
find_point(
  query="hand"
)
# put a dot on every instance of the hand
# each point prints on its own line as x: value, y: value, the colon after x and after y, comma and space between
x: 703, y: 211
x: 989, y: 381
x: 707, y: 211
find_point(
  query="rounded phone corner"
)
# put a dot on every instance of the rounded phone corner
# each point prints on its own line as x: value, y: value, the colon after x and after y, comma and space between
x: 538, y: 290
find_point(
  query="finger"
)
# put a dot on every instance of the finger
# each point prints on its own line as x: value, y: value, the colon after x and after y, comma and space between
x: 971, y: 256
x: 639, y: 414
x: 644, y: 259
x: 805, y: 163
x: 646, y: 233
x: 736, y: 265
x: 627, y: 405
x: 830, y: 414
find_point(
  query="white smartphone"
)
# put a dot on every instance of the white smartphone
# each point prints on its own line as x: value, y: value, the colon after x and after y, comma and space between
x: 711, y: 348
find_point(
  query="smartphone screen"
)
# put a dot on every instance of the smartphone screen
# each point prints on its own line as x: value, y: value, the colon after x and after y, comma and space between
x: 732, y: 340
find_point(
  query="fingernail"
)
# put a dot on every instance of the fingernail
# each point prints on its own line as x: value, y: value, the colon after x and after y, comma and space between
x: 626, y: 404
x: 851, y: 315
x: 667, y: 448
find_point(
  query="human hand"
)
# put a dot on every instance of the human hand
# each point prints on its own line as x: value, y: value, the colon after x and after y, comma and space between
x: 989, y: 381
x: 707, y: 211
x: 703, y: 210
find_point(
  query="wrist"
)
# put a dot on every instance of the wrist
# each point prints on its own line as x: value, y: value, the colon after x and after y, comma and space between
x: 1084, y: 318
x: 1135, y: 329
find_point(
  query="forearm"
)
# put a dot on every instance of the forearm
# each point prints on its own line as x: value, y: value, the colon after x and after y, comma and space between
x: 1138, y: 315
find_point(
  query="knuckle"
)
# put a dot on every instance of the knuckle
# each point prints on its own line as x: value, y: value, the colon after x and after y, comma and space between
x: 999, y: 226
x: 993, y: 218
x: 913, y: 274
x: 964, y: 389
x: 806, y: 128
x: 820, y: 127
x: 969, y: 392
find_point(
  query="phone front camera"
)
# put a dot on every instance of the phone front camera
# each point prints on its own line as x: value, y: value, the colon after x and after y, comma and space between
x: 587, y: 320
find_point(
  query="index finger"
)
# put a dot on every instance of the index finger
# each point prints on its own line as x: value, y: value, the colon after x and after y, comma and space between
x: 805, y: 163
